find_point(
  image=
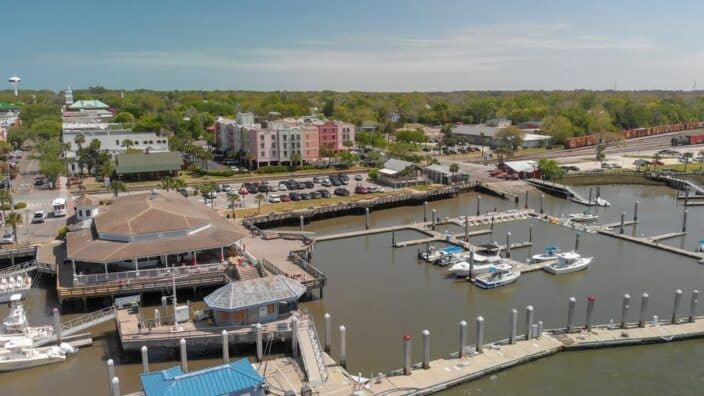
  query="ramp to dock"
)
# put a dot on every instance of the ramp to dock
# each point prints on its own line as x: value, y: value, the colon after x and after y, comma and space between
x: 561, y: 190
x: 311, y: 353
x: 75, y: 326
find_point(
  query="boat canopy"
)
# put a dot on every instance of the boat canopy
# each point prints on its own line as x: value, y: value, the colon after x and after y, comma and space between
x: 452, y: 249
x: 552, y: 249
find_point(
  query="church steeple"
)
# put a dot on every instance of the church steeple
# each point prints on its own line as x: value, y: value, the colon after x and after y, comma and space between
x: 69, y: 95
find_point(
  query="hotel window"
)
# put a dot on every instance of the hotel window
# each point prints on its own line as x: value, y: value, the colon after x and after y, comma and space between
x: 284, y: 138
x: 145, y: 142
x: 151, y: 142
x: 117, y: 142
x: 285, y: 145
x: 261, y: 137
x: 88, y: 212
x: 261, y: 145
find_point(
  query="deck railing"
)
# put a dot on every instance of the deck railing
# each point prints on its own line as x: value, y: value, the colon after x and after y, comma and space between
x: 150, y: 273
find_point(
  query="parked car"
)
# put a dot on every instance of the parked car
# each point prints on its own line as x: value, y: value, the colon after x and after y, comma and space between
x: 342, y: 192
x: 7, y: 237
x: 375, y: 189
x: 324, y: 193
x: 274, y: 198
x: 326, y: 183
x: 335, y: 182
x: 361, y: 190
x: 305, y: 196
x: 316, y: 180
x: 285, y: 198
x: 282, y: 187
x: 309, y: 184
x: 294, y: 196
x: 616, y: 166
x: 315, y: 195
x: 39, y: 216
x: 359, y: 177
x: 211, y: 195
x: 243, y: 191
x: 605, y: 165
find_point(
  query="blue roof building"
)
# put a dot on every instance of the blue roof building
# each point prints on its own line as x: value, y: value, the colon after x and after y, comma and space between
x: 232, y: 379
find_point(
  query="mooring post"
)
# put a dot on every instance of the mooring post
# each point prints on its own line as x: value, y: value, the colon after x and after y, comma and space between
x: 111, y: 374
x: 115, y: 386
x: 530, y: 233
x: 225, y: 347
x: 393, y: 238
x: 570, y: 314
x: 184, y: 355
x: 576, y: 241
x: 480, y: 334
x: 366, y: 218
x: 635, y: 211
x: 260, y: 344
x: 540, y: 329
x: 526, y: 204
x: 466, y: 229
x: 157, y: 318
x: 676, y: 307
x: 164, y: 311
x: 598, y: 191
x: 643, y: 309
x: 294, y: 337
x: 463, y: 336
x: 514, y: 326
x: 406, y: 355
x: 425, y: 211
x: 301, y: 220
x: 529, y: 321
x: 145, y: 359
x: 57, y: 325
x: 590, y: 195
x: 492, y: 223
x: 479, y: 199
x: 328, y: 331
x: 684, y: 221
x: 693, y: 306
x: 625, y: 306
x: 471, y: 264
x: 432, y: 214
x: 623, y: 220
x: 426, y: 349
x: 542, y: 203
x: 508, y: 244
x: 343, y: 347
x: 590, y: 311
x: 686, y: 196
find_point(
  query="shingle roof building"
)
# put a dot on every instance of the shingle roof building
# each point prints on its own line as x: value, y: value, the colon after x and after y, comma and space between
x: 254, y: 292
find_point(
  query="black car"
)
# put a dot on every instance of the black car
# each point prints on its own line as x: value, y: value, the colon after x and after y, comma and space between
x: 309, y: 184
x: 39, y: 181
x: 324, y: 193
x: 263, y: 188
x: 305, y: 196
x: 252, y: 189
x: 294, y: 196
x: 315, y: 195
x: 342, y: 192
x: 335, y: 182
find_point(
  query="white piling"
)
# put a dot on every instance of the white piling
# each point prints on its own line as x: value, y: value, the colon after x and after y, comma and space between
x: 145, y: 359
x: 529, y: 321
x: 534, y: 331
x: 406, y: 355
x: 225, y: 347
x: 260, y: 344
x: 684, y: 221
x: 294, y: 337
x: 508, y: 244
x: 57, y: 324
x: 426, y: 349
x: 425, y: 212
x: 514, y: 325
x: 623, y: 220
x: 635, y: 211
x: 590, y: 311
x: 164, y: 308
x: 115, y: 386
x: 328, y: 331
x: 643, y: 309
x: 111, y: 374
x: 184, y: 355
x: 157, y: 318
x: 676, y: 307
x: 302, y: 221
x: 625, y: 306
x: 570, y: 314
x: 540, y: 329
x: 463, y: 336
x: 693, y: 306
x: 480, y: 334
x: 366, y: 218
x: 343, y: 346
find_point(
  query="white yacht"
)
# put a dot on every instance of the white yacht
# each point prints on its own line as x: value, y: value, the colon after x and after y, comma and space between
x: 497, y: 278
x: 463, y: 268
x: 14, y: 284
x: 569, y: 262
x: 15, y: 330
x: 21, y: 357
x: 550, y: 253
x: 583, y: 217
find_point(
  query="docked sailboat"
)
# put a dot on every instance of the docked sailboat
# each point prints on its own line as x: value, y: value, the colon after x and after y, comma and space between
x: 550, y: 253
x: 489, y: 249
x: 498, y: 278
x: 14, y: 284
x: 569, y: 262
x: 15, y: 330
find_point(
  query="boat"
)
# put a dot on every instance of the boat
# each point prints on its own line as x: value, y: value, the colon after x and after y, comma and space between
x: 433, y: 255
x: 14, y: 284
x: 602, y: 202
x: 583, y: 217
x: 488, y: 249
x: 22, y: 357
x: 15, y: 330
x: 450, y: 259
x: 497, y: 278
x: 462, y: 269
x: 568, y: 262
x: 700, y: 248
x: 550, y: 253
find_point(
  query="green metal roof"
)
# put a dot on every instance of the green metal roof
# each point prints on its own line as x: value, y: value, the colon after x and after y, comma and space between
x: 88, y: 105
x: 153, y: 162
x: 4, y: 106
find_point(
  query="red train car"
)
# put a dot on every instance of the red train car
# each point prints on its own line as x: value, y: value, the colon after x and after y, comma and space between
x: 696, y: 139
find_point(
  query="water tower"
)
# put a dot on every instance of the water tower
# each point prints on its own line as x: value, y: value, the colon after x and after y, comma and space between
x: 15, y: 82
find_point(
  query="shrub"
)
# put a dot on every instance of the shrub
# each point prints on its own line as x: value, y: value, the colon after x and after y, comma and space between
x: 272, y: 169
x: 20, y: 205
x: 373, y: 174
x: 5, y: 207
x: 62, y: 232
x: 220, y: 172
x: 105, y: 202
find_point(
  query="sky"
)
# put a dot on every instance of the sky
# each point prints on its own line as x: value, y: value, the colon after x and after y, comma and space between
x: 360, y: 45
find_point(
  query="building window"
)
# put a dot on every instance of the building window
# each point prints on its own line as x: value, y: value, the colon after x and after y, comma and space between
x: 151, y: 142
x: 87, y: 212
x: 285, y: 153
x: 145, y: 142
x: 261, y: 137
x: 261, y: 145
x: 117, y: 142
x: 285, y: 145
x: 80, y: 212
x: 284, y: 138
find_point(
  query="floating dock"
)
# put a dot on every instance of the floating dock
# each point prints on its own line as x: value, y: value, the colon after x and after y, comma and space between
x: 654, y: 243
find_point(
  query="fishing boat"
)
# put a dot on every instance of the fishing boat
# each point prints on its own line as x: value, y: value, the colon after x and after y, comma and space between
x: 450, y: 259
x: 21, y: 357
x: 602, y: 202
x: 433, y: 255
x: 584, y: 217
x: 488, y: 249
x: 15, y: 330
x: 14, y: 284
x: 463, y: 268
x: 498, y: 278
x: 550, y: 253
x: 568, y: 262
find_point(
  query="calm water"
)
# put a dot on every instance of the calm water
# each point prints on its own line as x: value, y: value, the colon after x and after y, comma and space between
x: 380, y: 294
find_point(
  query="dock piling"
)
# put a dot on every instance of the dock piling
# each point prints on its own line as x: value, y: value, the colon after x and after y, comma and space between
x: 623, y: 220
x: 598, y: 191
x: 343, y: 347
x: 328, y: 331
x: 432, y: 218
x: 157, y: 318
x: 570, y: 314
x: 530, y: 233
x: 534, y: 331
x: 590, y: 311
x: 526, y: 204
x: 684, y: 221
x: 624, y: 310
x: 426, y: 349
x: 115, y: 386
x: 164, y: 301
x: 294, y: 337
x: 301, y: 221
x: 260, y: 346
x: 479, y: 199
x: 57, y: 324
x: 676, y: 307
x: 576, y: 241
x: 406, y: 355
x: 480, y: 334
x: 145, y: 359
x: 693, y: 306
x: 366, y: 218
x: 466, y: 230
x: 393, y: 238
x: 529, y: 321
x: 635, y: 211
x: 425, y: 211
x: 540, y: 329
x: 508, y: 244
x: 542, y: 203
x: 111, y: 374
x: 590, y: 195
x: 643, y: 309
x: 463, y: 337
x: 184, y: 355
x: 225, y: 347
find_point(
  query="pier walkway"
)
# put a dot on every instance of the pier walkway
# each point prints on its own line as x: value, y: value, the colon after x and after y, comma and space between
x: 311, y: 352
x: 76, y: 325
x: 27, y: 266
x: 654, y: 243
x: 561, y: 190
x: 678, y: 183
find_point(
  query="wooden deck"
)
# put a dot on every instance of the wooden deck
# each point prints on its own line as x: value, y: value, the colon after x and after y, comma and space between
x: 654, y: 244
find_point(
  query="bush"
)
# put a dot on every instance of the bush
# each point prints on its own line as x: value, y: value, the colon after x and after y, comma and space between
x: 105, y: 202
x: 373, y: 174
x: 62, y: 232
x: 272, y: 169
x: 5, y: 207
x: 220, y: 172
x: 20, y: 205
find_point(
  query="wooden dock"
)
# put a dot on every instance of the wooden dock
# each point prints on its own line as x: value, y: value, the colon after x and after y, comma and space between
x: 530, y: 267
x: 669, y: 235
x: 371, y: 231
x: 625, y: 223
x: 654, y: 244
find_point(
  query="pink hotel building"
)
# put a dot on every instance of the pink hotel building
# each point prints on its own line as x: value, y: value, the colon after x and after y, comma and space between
x: 277, y: 142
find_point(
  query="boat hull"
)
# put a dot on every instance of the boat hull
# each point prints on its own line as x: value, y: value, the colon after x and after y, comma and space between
x: 557, y: 270
x: 19, y: 364
x: 489, y: 284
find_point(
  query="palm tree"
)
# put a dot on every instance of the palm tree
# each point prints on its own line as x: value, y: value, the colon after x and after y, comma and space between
x: 172, y: 183
x: 116, y: 186
x: 701, y: 159
x: 454, y: 168
x: 127, y: 144
x: 79, y: 140
x: 233, y: 198
x: 259, y: 198
x: 14, y: 219
x: 5, y: 200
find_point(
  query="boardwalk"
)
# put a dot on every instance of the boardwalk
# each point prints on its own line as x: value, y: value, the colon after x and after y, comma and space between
x: 654, y: 244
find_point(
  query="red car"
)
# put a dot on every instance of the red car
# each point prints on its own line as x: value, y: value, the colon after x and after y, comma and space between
x: 495, y: 173
x: 360, y: 190
x: 285, y: 198
x: 243, y: 191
